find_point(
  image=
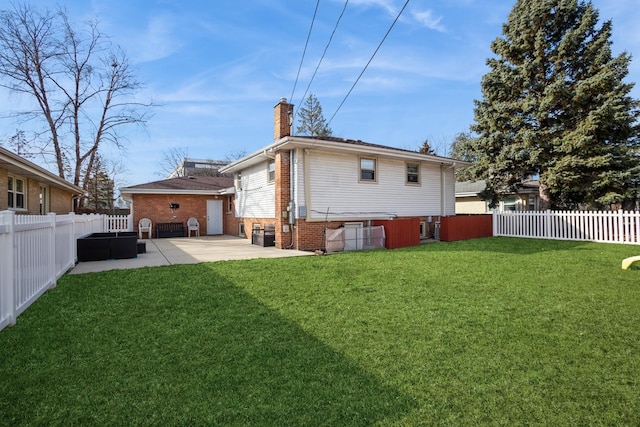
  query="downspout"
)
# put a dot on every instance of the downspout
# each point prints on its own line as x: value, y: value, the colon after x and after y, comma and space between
x: 292, y: 187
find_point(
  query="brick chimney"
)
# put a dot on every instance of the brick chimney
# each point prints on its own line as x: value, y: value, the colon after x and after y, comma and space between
x: 282, y: 119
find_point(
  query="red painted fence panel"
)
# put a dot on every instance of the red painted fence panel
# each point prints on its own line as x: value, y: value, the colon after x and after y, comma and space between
x: 400, y: 232
x: 463, y: 227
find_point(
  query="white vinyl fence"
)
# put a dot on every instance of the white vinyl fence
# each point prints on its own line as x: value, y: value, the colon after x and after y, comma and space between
x: 595, y: 226
x: 35, y: 250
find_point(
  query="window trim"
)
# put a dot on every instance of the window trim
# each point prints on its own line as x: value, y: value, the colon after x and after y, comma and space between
x: 43, y: 193
x: 271, y: 174
x: 417, y: 174
x: 229, y: 204
x: 374, y: 170
x: 12, y: 189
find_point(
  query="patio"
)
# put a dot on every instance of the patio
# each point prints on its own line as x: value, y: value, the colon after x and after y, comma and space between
x: 186, y: 250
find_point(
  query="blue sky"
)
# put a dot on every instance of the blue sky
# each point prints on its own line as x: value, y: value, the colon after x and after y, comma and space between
x: 217, y: 68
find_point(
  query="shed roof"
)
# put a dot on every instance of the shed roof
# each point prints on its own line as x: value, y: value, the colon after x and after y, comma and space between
x: 205, y: 185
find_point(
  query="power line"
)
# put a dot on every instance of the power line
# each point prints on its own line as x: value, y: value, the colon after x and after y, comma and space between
x: 369, y: 62
x: 305, y: 49
x: 324, y: 52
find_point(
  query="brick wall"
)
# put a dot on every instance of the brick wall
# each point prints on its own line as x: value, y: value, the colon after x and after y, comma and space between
x: 230, y: 224
x: 156, y: 208
x: 283, y: 191
x: 4, y: 189
x: 310, y: 236
x: 60, y: 201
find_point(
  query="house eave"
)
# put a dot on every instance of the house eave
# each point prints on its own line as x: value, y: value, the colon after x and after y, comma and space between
x: 219, y: 192
x: 24, y: 168
x: 290, y: 142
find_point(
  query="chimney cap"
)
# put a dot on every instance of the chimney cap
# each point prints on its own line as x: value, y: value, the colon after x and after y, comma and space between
x: 283, y: 100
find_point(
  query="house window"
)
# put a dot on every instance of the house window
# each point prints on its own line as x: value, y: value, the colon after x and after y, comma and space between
x: 241, y: 229
x: 229, y: 204
x: 367, y: 169
x: 509, y: 204
x: 532, y: 202
x: 271, y: 171
x: 16, y: 193
x: 44, y: 199
x: 239, y: 181
x: 413, y: 173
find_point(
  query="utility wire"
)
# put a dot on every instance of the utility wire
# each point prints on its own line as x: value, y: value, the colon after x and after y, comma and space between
x: 305, y: 50
x: 324, y: 53
x: 370, y: 59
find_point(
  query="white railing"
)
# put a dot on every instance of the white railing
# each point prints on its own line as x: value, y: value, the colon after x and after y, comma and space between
x: 595, y: 226
x: 35, y: 250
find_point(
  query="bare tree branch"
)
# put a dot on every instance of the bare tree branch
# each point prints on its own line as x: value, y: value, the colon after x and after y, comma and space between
x: 82, y: 85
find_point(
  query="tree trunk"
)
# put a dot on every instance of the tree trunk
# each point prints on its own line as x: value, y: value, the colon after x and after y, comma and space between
x: 544, y: 195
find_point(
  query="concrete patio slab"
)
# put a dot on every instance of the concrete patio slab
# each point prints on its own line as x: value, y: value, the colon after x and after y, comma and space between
x: 186, y: 250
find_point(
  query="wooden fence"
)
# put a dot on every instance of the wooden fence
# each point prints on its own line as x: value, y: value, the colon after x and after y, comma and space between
x: 596, y: 226
x: 463, y: 227
x: 35, y: 250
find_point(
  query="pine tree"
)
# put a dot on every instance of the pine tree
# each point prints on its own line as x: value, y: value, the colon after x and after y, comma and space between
x: 461, y: 148
x: 426, y: 148
x: 555, y: 106
x: 312, y: 122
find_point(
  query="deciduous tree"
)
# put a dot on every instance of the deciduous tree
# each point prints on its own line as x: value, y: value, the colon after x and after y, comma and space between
x: 82, y: 88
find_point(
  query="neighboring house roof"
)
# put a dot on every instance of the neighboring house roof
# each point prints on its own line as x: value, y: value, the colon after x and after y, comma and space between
x: 23, y: 167
x: 338, y: 145
x: 190, y: 166
x: 203, y: 185
x: 472, y: 188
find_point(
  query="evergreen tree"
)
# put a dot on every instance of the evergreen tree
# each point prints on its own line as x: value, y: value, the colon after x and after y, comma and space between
x: 312, y: 122
x: 461, y: 148
x: 555, y: 106
x: 426, y: 148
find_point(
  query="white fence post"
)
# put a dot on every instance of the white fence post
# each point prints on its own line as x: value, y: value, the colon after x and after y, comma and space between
x: 52, y: 249
x: 7, y: 270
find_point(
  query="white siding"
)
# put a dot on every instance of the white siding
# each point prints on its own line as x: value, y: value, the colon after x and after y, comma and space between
x: 257, y: 197
x: 450, y: 192
x: 333, y: 185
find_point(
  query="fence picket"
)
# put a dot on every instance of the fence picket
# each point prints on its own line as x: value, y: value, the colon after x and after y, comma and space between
x: 38, y: 249
x: 606, y: 227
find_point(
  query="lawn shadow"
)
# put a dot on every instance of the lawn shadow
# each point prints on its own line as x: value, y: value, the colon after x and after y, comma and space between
x: 111, y: 348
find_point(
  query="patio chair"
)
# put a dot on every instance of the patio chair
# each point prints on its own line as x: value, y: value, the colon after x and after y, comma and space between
x: 144, y: 226
x: 193, y: 225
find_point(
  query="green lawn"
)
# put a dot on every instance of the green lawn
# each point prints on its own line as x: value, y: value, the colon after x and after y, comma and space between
x: 491, y: 331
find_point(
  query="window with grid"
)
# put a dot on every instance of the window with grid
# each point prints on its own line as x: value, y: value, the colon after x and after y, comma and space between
x: 367, y: 169
x: 16, y: 193
x: 271, y: 170
x: 413, y: 173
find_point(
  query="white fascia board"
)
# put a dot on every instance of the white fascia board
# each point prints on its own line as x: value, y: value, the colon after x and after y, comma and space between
x: 344, y: 147
x: 23, y: 167
x: 125, y: 190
